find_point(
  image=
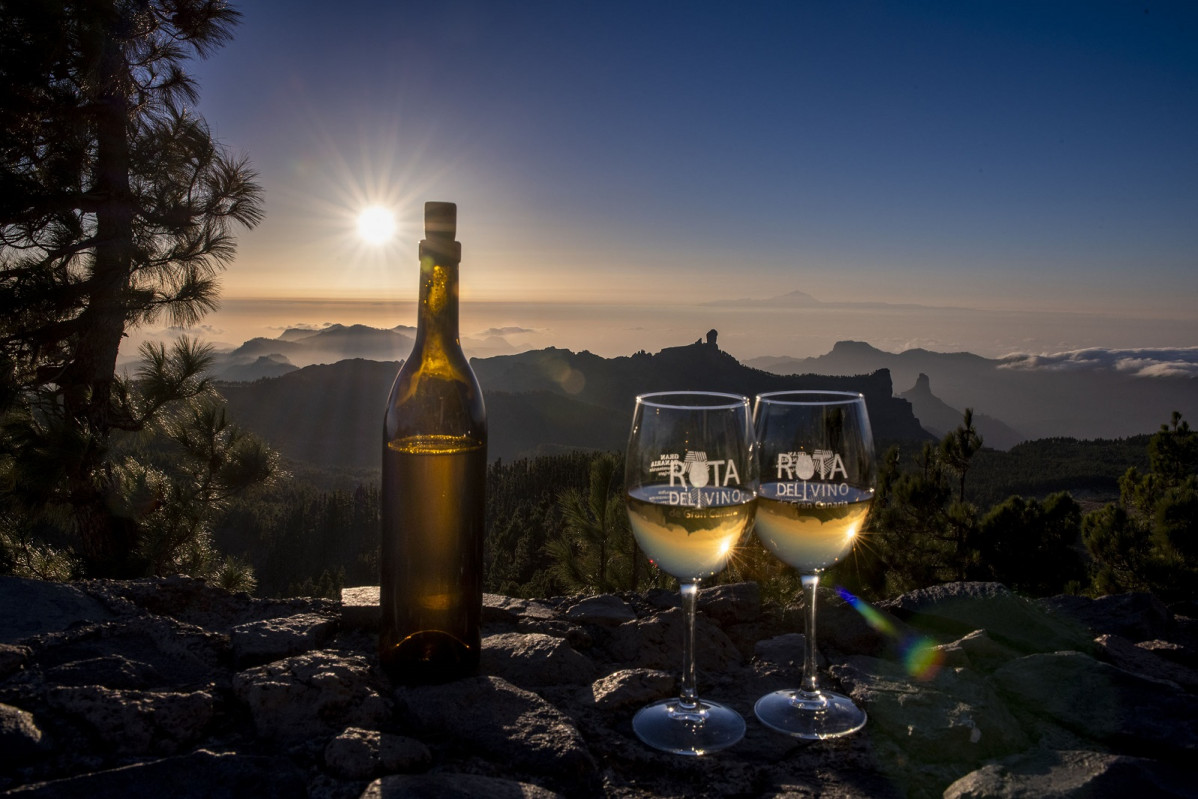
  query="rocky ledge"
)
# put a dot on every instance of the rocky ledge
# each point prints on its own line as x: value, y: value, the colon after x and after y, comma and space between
x: 173, y: 688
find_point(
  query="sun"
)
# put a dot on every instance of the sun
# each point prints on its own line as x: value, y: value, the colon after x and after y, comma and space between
x: 376, y: 224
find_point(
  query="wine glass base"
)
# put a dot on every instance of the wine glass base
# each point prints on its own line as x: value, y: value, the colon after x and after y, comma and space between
x: 670, y: 726
x: 815, y: 716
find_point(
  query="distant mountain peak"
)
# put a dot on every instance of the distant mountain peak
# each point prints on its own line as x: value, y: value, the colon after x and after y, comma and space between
x: 298, y: 333
x: 923, y: 385
x: 799, y: 297
x: 854, y: 347
x: 793, y: 299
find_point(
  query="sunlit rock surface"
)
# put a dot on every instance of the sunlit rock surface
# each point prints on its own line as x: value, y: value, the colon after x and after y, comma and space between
x: 171, y: 687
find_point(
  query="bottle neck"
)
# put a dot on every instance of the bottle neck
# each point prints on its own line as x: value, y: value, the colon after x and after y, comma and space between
x: 437, y: 319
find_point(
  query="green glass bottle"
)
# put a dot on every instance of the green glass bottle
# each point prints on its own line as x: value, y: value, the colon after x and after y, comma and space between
x: 434, y: 484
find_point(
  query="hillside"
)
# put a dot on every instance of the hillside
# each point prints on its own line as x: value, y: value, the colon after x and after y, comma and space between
x: 1036, y: 402
x: 938, y: 417
x: 295, y: 347
x: 538, y: 402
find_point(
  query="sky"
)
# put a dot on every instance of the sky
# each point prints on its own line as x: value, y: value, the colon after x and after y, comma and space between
x: 1002, y: 165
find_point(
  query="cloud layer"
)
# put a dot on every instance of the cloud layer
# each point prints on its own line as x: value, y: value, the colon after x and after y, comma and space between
x: 1145, y: 362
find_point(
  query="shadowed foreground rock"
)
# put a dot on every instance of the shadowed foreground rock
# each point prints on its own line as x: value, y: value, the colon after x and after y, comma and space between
x: 173, y: 688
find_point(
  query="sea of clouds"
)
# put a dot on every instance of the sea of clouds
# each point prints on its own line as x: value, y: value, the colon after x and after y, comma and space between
x: 1142, y: 362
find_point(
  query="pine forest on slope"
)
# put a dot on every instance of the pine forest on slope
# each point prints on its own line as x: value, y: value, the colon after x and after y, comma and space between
x: 551, y: 412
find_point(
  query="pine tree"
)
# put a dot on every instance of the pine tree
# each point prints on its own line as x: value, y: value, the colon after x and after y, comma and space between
x: 116, y: 209
x: 595, y: 551
x: 1148, y: 540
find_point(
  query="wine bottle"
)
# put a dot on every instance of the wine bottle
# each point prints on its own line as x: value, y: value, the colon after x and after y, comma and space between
x: 434, y: 484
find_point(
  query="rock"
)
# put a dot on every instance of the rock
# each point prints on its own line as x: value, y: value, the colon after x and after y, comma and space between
x: 198, y: 775
x: 45, y: 607
x: 146, y: 652
x: 258, y: 642
x: 531, y: 616
x: 360, y: 607
x: 453, y: 786
x: 1134, y: 616
x: 977, y: 651
x: 1102, y: 702
x: 358, y: 754
x: 401, y: 754
x: 1145, y: 662
x: 12, y: 658
x: 734, y: 603
x: 498, y: 609
x: 656, y: 643
x: 954, y: 717
x: 534, y: 659
x: 112, y: 671
x: 857, y: 628
x: 1175, y: 653
x: 966, y: 685
x: 1048, y: 774
x: 138, y: 722
x: 663, y: 598
x: 782, y: 650
x: 605, y: 610
x: 959, y: 608
x: 194, y: 602
x: 574, y: 634
x: 354, y: 754
x: 20, y: 737
x: 505, y: 722
x: 632, y: 688
x: 309, y: 695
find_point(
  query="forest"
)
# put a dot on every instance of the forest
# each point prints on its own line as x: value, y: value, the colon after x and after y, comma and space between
x: 1048, y: 516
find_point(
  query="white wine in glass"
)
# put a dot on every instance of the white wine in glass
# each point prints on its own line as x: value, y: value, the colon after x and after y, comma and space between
x: 690, y: 484
x: 817, y: 483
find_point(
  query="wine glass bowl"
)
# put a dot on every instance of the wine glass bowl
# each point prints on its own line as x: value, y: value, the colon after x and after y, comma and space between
x: 818, y: 477
x: 690, y: 486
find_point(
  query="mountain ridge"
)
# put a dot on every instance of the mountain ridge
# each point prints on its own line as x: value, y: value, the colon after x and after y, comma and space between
x: 1037, y: 403
x: 1014, y: 403
x: 538, y: 401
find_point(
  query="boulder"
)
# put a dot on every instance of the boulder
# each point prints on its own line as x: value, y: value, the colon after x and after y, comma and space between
x: 506, y: 723
x: 197, y: 775
x: 605, y: 610
x: 655, y: 642
x: 358, y: 754
x: 1102, y: 702
x: 262, y: 641
x: 310, y: 695
x: 632, y: 688
x: 970, y: 690
x: 1049, y: 774
x: 454, y: 786
x: 958, y: 608
x: 534, y: 659
x: 138, y: 722
x: 44, y: 607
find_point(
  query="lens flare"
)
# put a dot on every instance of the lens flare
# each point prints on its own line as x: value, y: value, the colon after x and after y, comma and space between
x: 919, y: 654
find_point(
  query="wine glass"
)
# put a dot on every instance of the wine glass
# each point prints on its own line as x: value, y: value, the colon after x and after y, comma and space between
x: 817, y: 483
x: 691, y: 485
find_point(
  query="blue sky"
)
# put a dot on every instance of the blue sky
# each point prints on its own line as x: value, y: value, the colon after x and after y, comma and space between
x: 999, y: 155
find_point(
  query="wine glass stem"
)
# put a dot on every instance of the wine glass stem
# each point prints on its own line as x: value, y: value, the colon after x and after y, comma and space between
x: 810, y: 682
x: 688, y: 696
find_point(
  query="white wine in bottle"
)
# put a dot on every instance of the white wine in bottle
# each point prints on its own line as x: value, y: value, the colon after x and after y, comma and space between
x: 434, y: 484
